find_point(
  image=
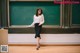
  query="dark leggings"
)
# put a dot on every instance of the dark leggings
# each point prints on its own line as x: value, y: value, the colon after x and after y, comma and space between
x: 37, y: 30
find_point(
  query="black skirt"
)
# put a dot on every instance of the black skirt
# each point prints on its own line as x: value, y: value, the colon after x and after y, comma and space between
x: 37, y: 30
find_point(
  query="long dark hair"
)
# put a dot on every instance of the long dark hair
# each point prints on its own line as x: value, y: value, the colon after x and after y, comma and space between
x: 37, y: 11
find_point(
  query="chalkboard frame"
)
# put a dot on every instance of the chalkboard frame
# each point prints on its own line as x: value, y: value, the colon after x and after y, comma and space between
x: 71, y: 24
x: 45, y: 26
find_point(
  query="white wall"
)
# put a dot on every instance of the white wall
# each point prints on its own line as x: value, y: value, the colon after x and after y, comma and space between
x: 45, y: 38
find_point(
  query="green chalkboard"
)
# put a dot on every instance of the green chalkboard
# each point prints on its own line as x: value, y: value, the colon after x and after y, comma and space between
x: 21, y: 13
x: 76, y: 14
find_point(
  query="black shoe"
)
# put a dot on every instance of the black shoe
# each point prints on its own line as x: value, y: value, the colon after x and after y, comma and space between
x: 37, y: 48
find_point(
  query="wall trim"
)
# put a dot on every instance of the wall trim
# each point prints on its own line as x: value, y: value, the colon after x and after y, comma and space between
x: 44, y: 44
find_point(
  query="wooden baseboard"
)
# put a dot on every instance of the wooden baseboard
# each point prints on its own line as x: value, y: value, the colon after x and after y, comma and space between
x: 44, y: 44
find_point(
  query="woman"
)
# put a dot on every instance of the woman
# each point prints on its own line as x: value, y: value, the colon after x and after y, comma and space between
x: 38, y: 20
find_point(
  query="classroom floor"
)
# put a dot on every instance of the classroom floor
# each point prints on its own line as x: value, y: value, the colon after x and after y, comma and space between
x: 44, y: 49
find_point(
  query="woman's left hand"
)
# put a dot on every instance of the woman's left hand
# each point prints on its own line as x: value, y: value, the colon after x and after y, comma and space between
x: 39, y: 24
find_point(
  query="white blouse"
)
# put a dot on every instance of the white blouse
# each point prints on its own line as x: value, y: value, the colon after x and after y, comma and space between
x: 38, y: 19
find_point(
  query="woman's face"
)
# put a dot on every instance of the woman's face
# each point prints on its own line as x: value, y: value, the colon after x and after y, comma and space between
x: 39, y: 11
